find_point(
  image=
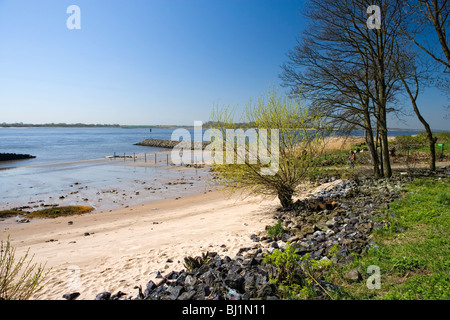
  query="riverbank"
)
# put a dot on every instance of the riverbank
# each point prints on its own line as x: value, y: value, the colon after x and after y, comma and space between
x: 117, y: 250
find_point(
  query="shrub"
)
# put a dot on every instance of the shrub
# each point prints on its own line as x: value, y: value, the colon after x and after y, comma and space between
x: 295, y: 275
x: 276, y: 230
x: 19, y: 280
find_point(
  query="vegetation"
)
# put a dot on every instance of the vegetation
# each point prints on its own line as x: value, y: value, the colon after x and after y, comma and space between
x: 412, y: 252
x: 276, y: 230
x: 19, y: 279
x: 48, y: 213
x: 296, y: 276
x: 191, y: 263
x: 276, y: 164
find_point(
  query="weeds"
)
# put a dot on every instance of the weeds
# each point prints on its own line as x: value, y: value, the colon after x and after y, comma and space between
x: 21, y: 279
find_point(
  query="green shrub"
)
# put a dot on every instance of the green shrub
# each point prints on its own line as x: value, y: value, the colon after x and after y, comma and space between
x: 295, y: 275
x: 276, y: 230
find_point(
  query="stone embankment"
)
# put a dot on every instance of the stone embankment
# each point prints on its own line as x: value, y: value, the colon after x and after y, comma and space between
x: 14, y: 156
x: 343, y: 215
x: 163, y: 143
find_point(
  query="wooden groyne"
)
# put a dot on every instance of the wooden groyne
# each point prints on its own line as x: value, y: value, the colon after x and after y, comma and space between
x: 14, y: 156
x: 163, y: 143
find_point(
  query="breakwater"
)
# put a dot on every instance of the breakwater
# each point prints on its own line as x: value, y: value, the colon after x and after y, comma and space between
x: 163, y: 143
x: 14, y: 156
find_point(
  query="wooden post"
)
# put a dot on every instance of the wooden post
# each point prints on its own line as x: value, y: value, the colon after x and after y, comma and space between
x: 134, y: 156
x: 124, y: 156
x: 167, y: 159
x: 155, y: 159
x: 145, y: 157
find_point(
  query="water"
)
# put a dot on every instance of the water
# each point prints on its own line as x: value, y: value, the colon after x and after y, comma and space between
x: 56, y: 145
x: 71, y: 168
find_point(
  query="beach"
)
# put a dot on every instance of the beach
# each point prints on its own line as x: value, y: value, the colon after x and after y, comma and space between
x: 117, y: 250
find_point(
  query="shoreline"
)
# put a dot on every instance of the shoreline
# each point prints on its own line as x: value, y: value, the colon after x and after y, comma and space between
x: 128, y: 246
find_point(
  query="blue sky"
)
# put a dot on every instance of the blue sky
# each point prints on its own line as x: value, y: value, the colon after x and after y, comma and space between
x: 148, y: 61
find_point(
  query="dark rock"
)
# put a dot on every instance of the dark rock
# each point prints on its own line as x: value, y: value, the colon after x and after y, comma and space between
x: 103, y: 296
x: 71, y: 296
x: 118, y: 295
x: 235, y: 281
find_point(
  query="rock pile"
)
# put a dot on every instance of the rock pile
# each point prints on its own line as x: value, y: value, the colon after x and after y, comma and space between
x: 163, y: 143
x: 345, y: 216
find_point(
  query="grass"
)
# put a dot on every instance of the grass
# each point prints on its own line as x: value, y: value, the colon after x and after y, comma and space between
x: 48, y: 213
x: 10, y: 213
x: 412, y: 251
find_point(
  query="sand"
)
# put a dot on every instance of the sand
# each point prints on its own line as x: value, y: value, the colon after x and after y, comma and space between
x: 127, y: 247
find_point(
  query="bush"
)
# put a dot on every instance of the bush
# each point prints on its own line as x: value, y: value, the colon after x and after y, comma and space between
x: 19, y: 280
x: 295, y: 275
x: 276, y: 230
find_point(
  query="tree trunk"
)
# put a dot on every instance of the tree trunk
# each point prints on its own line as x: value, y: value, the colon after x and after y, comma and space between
x: 432, y: 141
x: 373, y: 154
x: 285, y: 197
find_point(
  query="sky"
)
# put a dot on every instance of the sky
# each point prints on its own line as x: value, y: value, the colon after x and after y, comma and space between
x: 149, y: 62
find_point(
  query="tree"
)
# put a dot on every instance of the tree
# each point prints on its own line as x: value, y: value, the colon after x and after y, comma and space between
x: 294, y: 146
x: 407, y: 70
x: 430, y: 18
x: 349, y: 67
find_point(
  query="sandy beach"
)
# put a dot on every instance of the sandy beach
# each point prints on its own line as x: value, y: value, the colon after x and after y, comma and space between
x: 128, y: 246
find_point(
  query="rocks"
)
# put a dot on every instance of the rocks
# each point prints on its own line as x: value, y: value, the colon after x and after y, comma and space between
x: 162, y: 143
x: 353, y: 275
x: 71, y: 296
x: 103, y: 296
x: 342, y: 216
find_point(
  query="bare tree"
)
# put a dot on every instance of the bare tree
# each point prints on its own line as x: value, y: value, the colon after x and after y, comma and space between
x: 349, y: 67
x: 429, y: 18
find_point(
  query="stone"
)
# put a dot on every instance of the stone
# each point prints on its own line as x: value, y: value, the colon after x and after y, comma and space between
x: 353, y: 275
x: 234, y: 281
x: 190, y: 280
x: 103, y: 296
x: 118, y: 295
x: 187, y: 295
x: 71, y: 296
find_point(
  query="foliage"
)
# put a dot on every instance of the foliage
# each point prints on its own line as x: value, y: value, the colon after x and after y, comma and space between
x: 191, y: 263
x: 59, y: 212
x: 295, y: 275
x: 19, y: 280
x: 412, y: 249
x: 276, y: 230
x: 406, y: 142
x: 295, y: 138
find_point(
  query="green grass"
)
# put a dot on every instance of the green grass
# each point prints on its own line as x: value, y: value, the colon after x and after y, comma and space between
x: 59, y: 212
x: 10, y: 213
x: 412, y: 251
x: 48, y: 213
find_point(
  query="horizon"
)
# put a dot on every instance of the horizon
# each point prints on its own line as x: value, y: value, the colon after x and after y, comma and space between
x: 154, y: 62
x: 51, y: 124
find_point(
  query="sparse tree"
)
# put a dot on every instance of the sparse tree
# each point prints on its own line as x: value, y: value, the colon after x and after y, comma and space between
x: 294, y: 143
x: 349, y: 67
